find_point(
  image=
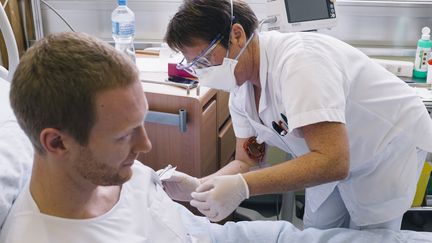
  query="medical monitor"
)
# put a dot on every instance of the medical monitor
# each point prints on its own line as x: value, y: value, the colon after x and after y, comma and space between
x: 301, y: 15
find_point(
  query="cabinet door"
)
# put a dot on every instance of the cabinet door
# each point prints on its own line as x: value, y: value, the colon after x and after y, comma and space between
x: 222, y: 108
x: 209, y: 149
x: 193, y: 152
x: 170, y: 146
x: 226, y: 143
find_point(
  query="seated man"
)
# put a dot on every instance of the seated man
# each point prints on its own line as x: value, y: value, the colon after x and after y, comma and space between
x: 15, y: 154
x: 81, y: 104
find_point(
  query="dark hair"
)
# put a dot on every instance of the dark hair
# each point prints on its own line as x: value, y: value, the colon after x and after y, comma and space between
x: 205, y: 19
x: 57, y: 80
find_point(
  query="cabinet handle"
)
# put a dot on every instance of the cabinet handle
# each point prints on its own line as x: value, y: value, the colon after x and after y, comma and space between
x: 170, y: 119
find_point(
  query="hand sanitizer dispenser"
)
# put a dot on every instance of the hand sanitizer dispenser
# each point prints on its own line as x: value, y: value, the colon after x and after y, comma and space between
x: 424, y: 45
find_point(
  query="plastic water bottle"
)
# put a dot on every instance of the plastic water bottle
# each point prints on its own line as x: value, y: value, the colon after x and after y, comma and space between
x: 123, y: 29
x: 424, y: 46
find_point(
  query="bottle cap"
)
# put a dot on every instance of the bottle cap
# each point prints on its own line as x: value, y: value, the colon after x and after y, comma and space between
x: 122, y: 2
x: 425, y: 33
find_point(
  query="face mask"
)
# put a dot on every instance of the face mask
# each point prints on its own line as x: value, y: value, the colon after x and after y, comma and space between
x: 221, y: 76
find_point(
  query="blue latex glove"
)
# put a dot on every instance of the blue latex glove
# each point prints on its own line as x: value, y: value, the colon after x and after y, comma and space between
x: 219, y: 197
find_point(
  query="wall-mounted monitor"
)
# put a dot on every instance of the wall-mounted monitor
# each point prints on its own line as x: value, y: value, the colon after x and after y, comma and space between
x: 301, y: 15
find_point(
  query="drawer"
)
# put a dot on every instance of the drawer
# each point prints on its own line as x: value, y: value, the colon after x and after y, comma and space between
x: 222, y: 108
x: 226, y: 143
x: 208, y: 141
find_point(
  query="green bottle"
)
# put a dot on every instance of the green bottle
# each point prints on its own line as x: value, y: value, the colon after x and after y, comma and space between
x: 424, y: 46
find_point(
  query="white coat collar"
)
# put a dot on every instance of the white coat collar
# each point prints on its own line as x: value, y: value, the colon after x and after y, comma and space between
x: 263, y: 104
x: 247, y: 88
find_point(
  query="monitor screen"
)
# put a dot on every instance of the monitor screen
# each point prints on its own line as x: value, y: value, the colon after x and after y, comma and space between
x: 306, y: 10
x: 300, y: 15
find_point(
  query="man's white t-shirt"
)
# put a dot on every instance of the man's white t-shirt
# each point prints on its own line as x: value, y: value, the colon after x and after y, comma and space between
x: 312, y: 78
x: 144, y: 213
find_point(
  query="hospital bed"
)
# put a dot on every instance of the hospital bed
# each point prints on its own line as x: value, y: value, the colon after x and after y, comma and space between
x: 16, y: 152
x: 11, y: 46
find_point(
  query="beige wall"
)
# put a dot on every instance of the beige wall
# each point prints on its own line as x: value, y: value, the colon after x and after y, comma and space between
x: 392, y: 26
x: 94, y: 16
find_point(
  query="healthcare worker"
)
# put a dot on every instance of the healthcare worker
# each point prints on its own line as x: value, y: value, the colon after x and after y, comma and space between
x: 358, y: 134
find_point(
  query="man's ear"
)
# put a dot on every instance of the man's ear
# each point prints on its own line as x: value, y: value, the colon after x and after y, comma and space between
x: 238, y: 35
x: 52, y: 141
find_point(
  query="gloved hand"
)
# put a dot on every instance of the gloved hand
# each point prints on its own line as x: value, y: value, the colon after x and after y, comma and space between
x: 180, y: 186
x: 220, y: 196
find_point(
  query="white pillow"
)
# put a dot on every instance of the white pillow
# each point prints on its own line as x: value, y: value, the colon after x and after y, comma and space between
x: 5, y: 109
x: 16, y: 154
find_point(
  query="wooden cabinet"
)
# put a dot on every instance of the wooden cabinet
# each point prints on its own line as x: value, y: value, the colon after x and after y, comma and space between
x: 208, y: 140
x: 226, y: 143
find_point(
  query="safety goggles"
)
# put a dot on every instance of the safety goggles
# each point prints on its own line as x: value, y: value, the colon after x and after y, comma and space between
x: 202, y: 60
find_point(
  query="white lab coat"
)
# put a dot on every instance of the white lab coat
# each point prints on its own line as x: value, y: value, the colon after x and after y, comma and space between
x: 312, y: 78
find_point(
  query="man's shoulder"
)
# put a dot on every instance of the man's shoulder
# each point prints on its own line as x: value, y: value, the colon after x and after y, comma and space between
x: 141, y: 169
x: 143, y: 175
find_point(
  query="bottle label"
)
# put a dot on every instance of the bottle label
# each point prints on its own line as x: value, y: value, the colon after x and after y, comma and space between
x: 125, y: 29
x: 429, y: 70
x: 421, y: 59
